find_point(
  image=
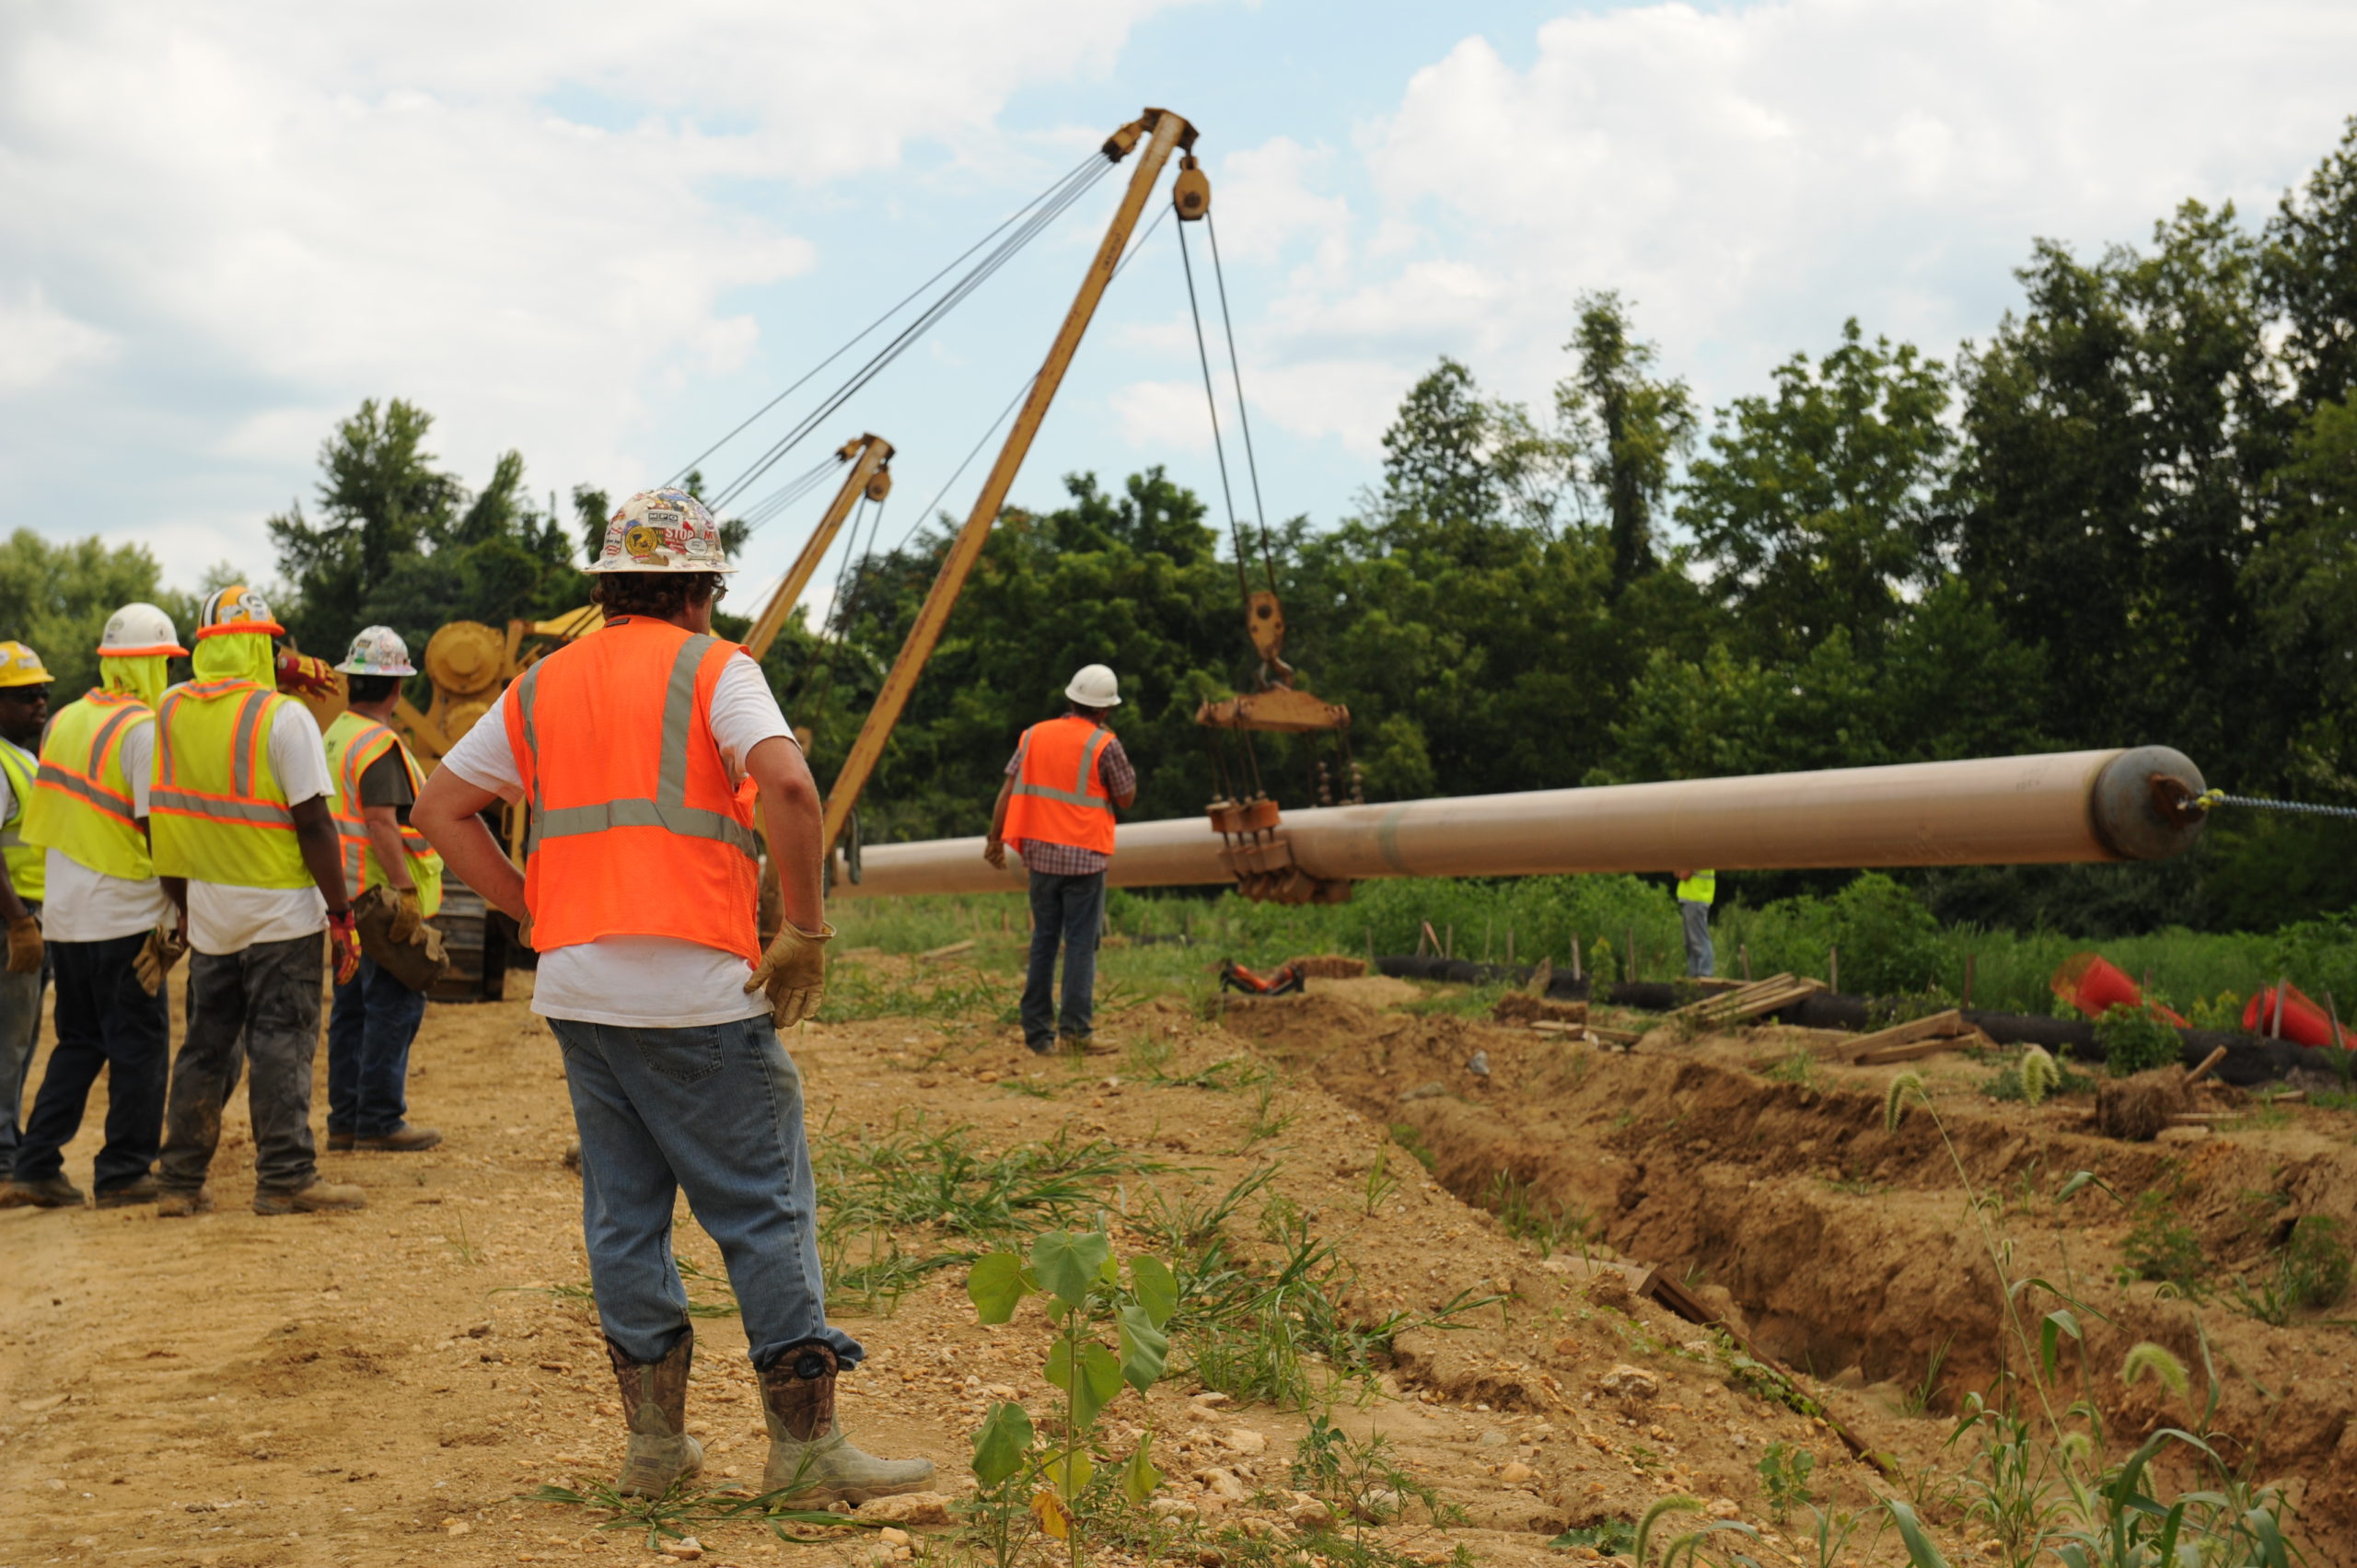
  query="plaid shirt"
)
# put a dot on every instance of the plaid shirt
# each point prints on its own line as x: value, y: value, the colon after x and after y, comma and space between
x: 1113, y: 771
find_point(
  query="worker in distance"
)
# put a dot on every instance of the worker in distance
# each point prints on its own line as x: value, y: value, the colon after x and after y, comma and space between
x: 1067, y: 777
x: 632, y: 748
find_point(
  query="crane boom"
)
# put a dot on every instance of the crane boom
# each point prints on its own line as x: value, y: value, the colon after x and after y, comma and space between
x: 869, y: 476
x: 1161, y: 133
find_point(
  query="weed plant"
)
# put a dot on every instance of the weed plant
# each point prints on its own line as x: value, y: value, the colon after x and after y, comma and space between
x: 2037, y: 1473
x: 2160, y: 1246
x: 2135, y: 1039
x: 1527, y: 1216
x: 1783, y: 1476
x: 2308, y: 1273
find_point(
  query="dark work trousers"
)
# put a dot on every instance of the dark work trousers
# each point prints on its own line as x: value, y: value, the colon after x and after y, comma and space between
x: 20, y: 1034
x: 105, y: 1020
x: 369, y: 1029
x: 267, y: 997
x: 1066, y: 909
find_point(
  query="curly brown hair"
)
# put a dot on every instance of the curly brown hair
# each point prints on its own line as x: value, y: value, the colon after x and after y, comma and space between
x: 659, y: 594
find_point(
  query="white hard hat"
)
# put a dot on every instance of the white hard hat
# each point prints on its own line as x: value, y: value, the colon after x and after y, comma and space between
x: 138, y: 629
x: 662, y: 530
x: 236, y: 609
x: 1095, y: 687
x: 379, y: 650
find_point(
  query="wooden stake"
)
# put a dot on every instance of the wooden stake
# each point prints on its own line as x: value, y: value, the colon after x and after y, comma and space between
x: 1833, y: 970
x: 1509, y: 944
x: 1448, y: 942
x: 1743, y: 950
x: 2275, y: 1028
x: 1632, y: 954
x: 1575, y: 957
x: 1969, y: 958
x: 2333, y: 1014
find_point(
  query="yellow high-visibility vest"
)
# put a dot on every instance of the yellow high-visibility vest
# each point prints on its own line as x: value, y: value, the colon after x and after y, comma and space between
x: 217, y: 812
x: 82, y: 804
x: 355, y: 744
x: 27, y: 867
x: 1700, y: 889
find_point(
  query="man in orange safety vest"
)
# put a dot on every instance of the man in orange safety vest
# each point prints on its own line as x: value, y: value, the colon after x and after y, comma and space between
x: 639, y: 751
x: 1063, y: 785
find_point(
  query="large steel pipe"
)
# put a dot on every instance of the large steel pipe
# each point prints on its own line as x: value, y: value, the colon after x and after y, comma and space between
x: 2072, y: 806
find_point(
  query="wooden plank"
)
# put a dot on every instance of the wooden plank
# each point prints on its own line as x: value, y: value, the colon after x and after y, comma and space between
x: 1624, y: 1038
x: 1873, y: 1047
x: 935, y: 955
x: 1910, y: 1052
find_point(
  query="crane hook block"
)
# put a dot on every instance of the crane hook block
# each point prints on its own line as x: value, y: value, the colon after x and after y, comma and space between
x: 879, y: 485
x: 1192, y: 193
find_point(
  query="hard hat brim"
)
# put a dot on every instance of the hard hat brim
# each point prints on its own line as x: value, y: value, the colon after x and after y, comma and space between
x: 267, y: 628
x: 169, y: 649
x: 348, y: 668
x: 1074, y: 695
x: 44, y: 678
x: 600, y: 568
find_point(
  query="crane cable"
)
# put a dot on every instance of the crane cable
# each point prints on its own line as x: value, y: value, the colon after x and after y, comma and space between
x: 1210, y: 403
x: 845, y: 346
x: 2208, y: 799
x: 1243, y: 416
x: 1044, y: 213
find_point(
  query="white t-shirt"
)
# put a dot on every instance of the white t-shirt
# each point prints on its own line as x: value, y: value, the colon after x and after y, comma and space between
x: 90, y: 906
x: 224, y: 919
x: 642, y: 981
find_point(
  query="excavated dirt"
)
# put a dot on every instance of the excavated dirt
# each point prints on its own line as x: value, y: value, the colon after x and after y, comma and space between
x: 1851, y: 1252
x: 383, y: 1388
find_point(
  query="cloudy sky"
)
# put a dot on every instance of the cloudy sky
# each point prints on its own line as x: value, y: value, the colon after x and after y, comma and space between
x: 604, y: 233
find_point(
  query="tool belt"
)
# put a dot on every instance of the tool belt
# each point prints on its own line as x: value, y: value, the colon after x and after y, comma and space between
x: 418, y: 962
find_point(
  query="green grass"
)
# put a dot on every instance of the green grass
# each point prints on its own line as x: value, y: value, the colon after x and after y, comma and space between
x: 2191, y: 969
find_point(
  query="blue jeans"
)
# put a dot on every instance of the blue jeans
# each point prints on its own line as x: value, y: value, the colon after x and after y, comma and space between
x: 369, y: 1029
x: 1066, y: 909
x: 20, y: 1033
x: 716, y: 1110
x: 106, y: 1021
x: 1696, y: 916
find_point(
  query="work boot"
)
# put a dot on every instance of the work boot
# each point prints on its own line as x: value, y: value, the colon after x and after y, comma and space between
x: 403, y: 1139
x: 319, y: 1198
x: 811, y: 1461
x: 654, y: 1399
x: 180, y: 1203
x: 138, y: 1190
x: 57, y: 1192
x: 340, y: 1140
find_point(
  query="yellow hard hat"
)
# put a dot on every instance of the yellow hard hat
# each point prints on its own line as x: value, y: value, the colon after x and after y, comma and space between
x: 20, y: 666
x: 236, y: 609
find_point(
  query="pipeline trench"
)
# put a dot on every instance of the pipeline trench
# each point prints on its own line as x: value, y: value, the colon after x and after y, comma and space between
x: 1756, y: 1165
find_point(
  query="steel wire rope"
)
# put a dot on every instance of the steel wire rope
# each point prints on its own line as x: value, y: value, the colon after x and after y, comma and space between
x: 1243, y: 418
x: 846, y: 346
x: 769, y: 508
x: 958, y: 292
x: 2214, y: 797
x: 1210, y: 403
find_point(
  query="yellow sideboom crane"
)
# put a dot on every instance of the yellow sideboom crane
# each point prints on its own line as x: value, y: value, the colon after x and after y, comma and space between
x: 1155, y: 136
x: 870, y: 457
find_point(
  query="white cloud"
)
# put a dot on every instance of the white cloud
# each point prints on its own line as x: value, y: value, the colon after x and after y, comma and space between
x: 530, y: 217
x: 38, y: 342
x: 1751, y: 175
x: 1160, y: 416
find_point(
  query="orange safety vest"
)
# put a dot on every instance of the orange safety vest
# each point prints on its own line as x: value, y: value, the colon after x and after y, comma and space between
x: 635, y: 829
x: 1059, y: 796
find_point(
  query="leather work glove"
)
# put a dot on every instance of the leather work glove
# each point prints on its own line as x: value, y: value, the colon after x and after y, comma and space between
x: 794, y: 972
x: 300, y: 674
x: 162, y: 949
x: 408, y: 915
x: 25, y: 945
x: 344, y: 941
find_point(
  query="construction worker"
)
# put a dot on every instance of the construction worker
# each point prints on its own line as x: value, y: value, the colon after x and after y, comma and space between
x: 110, y: 928
x: 374, y: 1017
x: 24, y: 709
x: 1056, y: 808
x: 634, y: 747
x: 1696, y: 889
x: 238, y: 811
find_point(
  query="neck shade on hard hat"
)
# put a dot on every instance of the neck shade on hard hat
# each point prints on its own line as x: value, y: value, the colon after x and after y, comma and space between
x: 225, y: 653
x: 143, y: 676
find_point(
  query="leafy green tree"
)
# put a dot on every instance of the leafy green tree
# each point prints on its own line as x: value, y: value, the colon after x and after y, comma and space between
x: 55, y: 599
x: 1456, y: 457
x: 2117, y: 437
x: 1817, y: 505
x: 1624, y: 428
x: 2310, y: 272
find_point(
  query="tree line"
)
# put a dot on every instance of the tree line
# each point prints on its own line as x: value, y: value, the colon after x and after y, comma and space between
x: 2126, y: 516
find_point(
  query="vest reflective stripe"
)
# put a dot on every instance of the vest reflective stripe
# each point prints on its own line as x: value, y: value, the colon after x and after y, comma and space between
x: 1700, y: 889
x: 355, y: 744
x: 636, y: 827
x: 669, y: 809
x: 217, y: 812
x: 28, y: 864
x: 83, y: 806
x: 1059, y: 796
x: 1081, y: 793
